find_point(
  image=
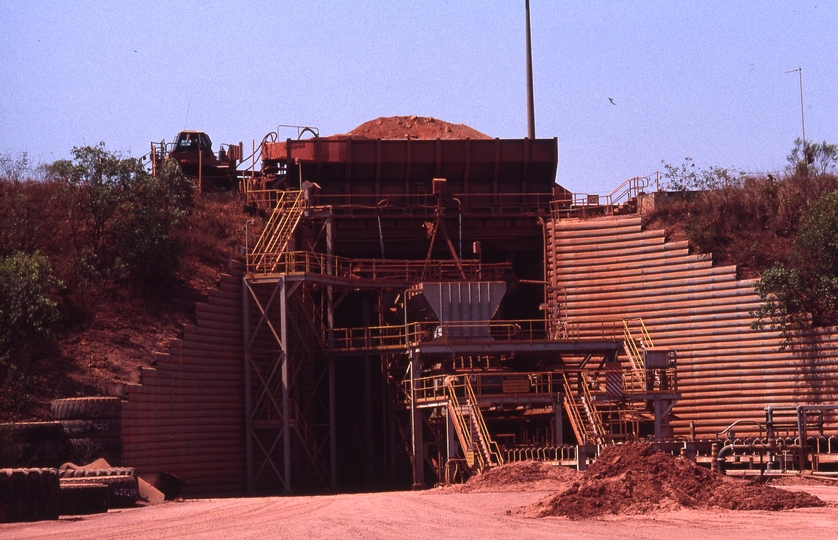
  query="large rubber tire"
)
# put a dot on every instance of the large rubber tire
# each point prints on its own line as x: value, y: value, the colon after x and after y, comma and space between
x: 86, y: 450
x: 93, y: 473
x: 28, y: 494
x: 87, y: 498
x: 89, y: 408
x: 102, y: 427
x: 124, y: 490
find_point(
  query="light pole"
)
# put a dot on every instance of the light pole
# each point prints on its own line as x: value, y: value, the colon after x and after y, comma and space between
x: 802, y: 121
x: 530, y: 98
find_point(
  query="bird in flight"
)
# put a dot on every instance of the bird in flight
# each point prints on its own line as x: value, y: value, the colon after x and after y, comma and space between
x: 612, y: 101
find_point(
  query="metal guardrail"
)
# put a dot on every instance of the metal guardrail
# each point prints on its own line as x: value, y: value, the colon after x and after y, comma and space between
x: 385, y: 337
x: 433, y: 388
x: 629, y: 189
x: 518, y: 330
x: 320, y: 264
x: 482, y: 203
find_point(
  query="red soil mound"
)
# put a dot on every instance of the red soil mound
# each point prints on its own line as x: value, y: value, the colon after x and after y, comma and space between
x: 635, y: 479
x: 520, y: 476
x: 414, y: 127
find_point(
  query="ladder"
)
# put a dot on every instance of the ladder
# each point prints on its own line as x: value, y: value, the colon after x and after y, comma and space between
x: 267, y: 253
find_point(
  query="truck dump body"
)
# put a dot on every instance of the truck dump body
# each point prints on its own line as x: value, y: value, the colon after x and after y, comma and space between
x: 346, y: 165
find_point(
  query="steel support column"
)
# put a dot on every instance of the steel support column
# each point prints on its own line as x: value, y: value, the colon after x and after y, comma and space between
x: 286, y: 405
x: 658, y: 420
x: 248, y: 388
x: 369, y: 460
x: 416, y: 427
x: 558, y: 435
x: 330, y: 327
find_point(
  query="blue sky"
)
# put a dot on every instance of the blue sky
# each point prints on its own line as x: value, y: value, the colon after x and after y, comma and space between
x: 699, y: 79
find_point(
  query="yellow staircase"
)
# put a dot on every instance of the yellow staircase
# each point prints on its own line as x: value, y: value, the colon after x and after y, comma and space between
x: 273, y: 243
x: 635, y: 353
x: 584, y: 417
x: 481, y: 451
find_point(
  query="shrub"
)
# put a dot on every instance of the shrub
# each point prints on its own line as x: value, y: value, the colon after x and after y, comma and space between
x: 121, y: 217
x: 28, y: 314
x: 803, y: 292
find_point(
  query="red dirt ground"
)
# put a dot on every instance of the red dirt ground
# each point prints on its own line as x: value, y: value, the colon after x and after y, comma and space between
x: 437, y: 513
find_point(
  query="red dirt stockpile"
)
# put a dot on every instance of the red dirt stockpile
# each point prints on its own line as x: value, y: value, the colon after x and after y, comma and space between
x: 520, y: 476
x: 414, y: 127
x: 635, y: 479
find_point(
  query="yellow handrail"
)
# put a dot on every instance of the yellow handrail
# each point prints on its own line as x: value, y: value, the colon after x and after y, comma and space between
x: 491, y: 445
x: 593, y: 414
x: 634, y: 354
x: 278, y: 231
x: 576, y: 421
x: 461, y: 425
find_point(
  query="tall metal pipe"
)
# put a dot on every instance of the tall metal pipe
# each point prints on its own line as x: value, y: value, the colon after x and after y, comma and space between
x: 530, y: 99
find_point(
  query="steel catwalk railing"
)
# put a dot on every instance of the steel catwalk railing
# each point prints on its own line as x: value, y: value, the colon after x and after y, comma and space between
x: 320, y: 264
x: 481, y: 203
x: 626, y: 191
x: 634, y: 353
x: 519, y: 330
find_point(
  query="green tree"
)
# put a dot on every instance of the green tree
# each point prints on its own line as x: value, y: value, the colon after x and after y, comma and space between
x: 804, y: 291
x: 28, y: 308
x: 121, y: 216
x: 143, y: 228
x: 97, y: 182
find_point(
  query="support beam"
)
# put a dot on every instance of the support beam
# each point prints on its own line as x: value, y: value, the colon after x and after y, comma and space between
x: 558, y: 435
x: 286, y: 398
x: 248, y: 388
x: 658, y: 423
x: 333, y: 446
x: 417, y: 440
x: 330, y: 330
x: 369, y: 458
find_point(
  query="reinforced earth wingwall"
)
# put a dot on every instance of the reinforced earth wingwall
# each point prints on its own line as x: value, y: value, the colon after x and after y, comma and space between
x: 610, y: 268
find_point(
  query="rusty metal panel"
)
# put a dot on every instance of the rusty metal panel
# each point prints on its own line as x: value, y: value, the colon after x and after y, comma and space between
x: 474, y: 166
x: 463, y: 308
x: 612, y: 269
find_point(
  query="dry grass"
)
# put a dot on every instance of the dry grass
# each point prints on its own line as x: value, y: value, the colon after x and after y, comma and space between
x: 749, y: 222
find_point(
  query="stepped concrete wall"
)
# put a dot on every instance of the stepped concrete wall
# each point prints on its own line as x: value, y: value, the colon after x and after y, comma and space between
x: 610, y: 268
x: 187, y: 417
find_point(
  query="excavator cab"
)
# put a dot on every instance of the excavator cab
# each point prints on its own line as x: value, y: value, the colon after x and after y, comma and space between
x: 193, y: 152
x: 187, y: 146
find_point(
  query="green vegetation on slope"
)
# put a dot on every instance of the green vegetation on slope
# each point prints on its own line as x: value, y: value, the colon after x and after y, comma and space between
x: 105, y: 258
x: 783, y: 229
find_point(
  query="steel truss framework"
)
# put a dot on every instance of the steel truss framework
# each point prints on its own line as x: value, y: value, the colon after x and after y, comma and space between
x: 282, y: 352
x: 291, y: 346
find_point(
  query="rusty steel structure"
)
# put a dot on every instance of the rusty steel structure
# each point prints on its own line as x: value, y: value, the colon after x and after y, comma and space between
x: 397, y: 316
x: 415, y: 311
